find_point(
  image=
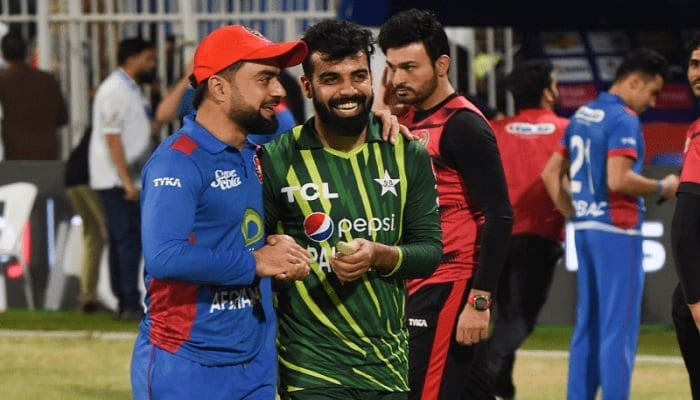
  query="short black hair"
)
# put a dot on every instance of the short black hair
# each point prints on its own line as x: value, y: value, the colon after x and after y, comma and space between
x: 336, y: 39
x: 693, y: 44
x: 527, y: 81
x: 131, y: 47
x: 14, y: 47
x: 411, y: 26
x: 202, y: 87
x: 647, y: 61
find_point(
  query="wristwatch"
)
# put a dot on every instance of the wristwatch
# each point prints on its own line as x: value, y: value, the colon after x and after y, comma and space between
x: 479, y: 302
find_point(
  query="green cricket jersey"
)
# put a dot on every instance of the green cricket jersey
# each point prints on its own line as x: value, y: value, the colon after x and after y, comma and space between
x: 349, y: 334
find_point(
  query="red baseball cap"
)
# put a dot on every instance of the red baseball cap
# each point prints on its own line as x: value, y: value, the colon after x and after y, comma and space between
x: 233, y: 43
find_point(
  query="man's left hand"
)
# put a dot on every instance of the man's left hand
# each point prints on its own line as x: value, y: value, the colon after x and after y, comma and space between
x: 472, y: 326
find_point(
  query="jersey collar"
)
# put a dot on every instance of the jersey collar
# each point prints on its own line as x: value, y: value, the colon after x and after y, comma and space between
x: 205, y: 139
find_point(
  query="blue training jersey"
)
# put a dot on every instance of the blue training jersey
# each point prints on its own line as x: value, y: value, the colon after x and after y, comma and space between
x: 202, y: 216
x: 600, y: 129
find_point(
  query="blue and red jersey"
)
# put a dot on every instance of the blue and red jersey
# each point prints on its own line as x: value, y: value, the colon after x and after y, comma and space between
x: 202, y: 218
x: 598, y: 130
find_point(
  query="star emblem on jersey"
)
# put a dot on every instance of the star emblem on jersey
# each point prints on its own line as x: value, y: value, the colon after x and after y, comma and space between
x: 387, y: 184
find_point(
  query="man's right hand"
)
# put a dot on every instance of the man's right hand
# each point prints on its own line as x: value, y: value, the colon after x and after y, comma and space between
x: 385, y: 98
x: 695, y: 311
x: 282, y: 258
x: 131, y: 193
x: 670, y: 186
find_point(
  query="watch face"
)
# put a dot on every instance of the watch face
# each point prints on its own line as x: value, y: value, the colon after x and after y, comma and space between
x: 481, y: 303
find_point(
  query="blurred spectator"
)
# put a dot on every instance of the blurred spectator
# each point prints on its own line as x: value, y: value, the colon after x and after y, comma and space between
x: 598, y: 169
x: 177, y: 102
x: 33, y: 107
x: 526, y: 141
x: 119, y: 147
x: 86, y: 203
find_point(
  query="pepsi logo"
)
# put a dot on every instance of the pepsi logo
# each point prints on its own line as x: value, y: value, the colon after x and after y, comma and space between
x: 318, y: 226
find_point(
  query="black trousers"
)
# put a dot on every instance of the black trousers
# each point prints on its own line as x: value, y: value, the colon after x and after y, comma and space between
x: 522, y: 291
x: 124, y: 231
x: 688, y: 339
x: 433, y: 343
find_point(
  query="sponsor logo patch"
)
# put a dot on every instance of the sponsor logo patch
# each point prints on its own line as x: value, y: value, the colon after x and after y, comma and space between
x: 166, y: 181
x: 226, y: 179
x: 318, y: 227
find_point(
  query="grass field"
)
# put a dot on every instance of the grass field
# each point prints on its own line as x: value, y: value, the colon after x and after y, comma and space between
x: 48, y: 355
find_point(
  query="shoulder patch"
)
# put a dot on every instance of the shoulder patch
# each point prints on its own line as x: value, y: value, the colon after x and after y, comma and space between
x: 184, y: 144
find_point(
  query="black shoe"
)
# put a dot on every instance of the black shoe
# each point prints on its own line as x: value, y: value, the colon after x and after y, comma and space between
x: 131, y: 315
x: 92, y: 307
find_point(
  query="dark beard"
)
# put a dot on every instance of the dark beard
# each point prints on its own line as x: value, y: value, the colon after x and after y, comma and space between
x: 345, y: 126
x: 254, y: 122
x: 147, y: 77
x: 420, y: 96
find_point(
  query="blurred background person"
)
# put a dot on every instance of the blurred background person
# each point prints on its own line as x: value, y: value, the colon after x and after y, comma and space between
x: 119, y: 146
x: 33, y: 107
x: 602, y: 153
x: 526, y: 140
x: 88, y: 206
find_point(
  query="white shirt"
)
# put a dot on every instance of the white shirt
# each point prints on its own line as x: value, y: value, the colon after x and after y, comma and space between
x: 119, y: 108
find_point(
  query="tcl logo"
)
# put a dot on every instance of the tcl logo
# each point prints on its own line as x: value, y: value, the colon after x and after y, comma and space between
x: 654, y: 250
x: 309, y: 192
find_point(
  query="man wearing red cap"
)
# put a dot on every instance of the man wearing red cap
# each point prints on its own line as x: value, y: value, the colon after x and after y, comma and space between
x: 209, y: 330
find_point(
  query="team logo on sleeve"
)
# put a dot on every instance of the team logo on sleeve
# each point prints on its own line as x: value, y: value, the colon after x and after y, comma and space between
x: 629, y: 141
x: 318, y: 226
x: 422, y: 136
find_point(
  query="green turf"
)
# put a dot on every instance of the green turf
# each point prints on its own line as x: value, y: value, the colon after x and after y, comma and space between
x: 63, y: 321
x: 653, y: 339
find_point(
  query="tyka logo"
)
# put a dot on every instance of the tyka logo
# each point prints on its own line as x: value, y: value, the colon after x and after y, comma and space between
x: 166, y: 181
x: 318, y: 226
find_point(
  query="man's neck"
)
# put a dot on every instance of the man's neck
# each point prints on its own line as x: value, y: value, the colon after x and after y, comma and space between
x: 220, y: 125
x: 130, y: 72
x: 441, y: 92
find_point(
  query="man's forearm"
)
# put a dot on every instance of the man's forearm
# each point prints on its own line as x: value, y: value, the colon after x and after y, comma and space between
x: 116, y: 152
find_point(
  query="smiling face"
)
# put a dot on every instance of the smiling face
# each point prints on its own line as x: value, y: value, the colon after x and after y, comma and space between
x: 341, y: 92
x: 255, y: 92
